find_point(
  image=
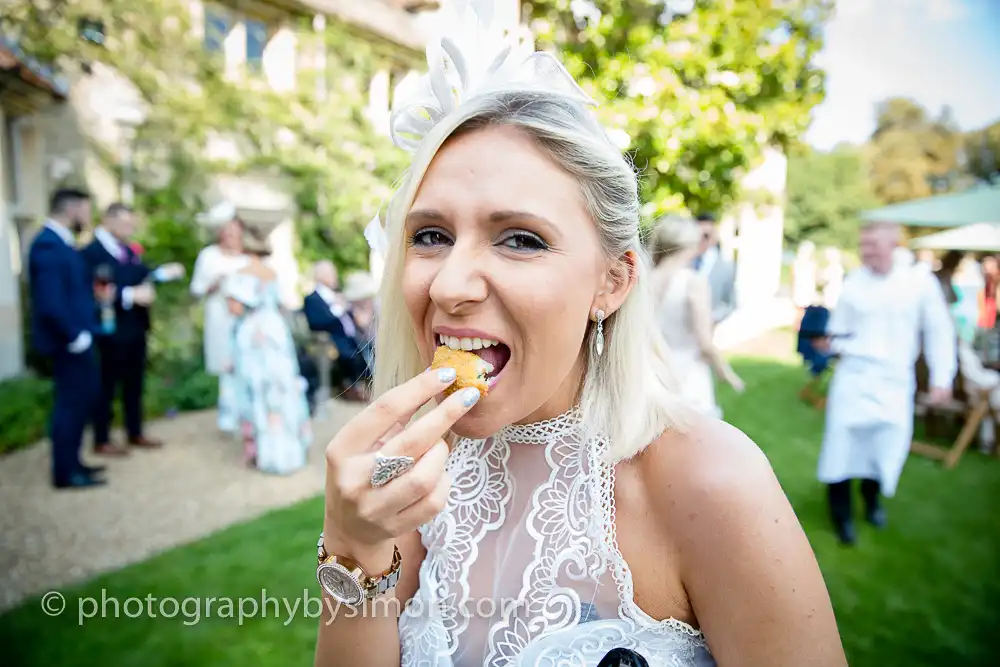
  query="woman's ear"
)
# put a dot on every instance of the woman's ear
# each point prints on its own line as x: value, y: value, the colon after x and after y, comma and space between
x: 619, y: 279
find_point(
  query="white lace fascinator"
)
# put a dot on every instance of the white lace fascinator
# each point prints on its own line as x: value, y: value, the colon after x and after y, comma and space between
x: 470, y: 56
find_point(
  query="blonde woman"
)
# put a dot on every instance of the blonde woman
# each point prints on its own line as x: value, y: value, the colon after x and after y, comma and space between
x: 577, y: 509
x: 684, y: 315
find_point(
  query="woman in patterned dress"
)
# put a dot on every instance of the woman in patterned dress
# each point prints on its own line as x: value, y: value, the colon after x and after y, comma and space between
x: 269, y: 392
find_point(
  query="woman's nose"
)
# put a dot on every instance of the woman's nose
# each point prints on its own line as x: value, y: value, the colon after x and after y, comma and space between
x: 460, y: 280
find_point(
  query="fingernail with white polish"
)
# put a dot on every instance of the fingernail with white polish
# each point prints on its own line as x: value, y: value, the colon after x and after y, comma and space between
x: 470, y: 397
x: 446, y: 375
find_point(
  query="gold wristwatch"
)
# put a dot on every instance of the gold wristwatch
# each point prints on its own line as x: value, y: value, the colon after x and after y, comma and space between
x: 345, y: 580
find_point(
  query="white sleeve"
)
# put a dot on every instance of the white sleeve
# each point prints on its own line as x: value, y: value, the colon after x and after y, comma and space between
x: 203, y: 274
x: 841, y: 324
x: 940, y: 344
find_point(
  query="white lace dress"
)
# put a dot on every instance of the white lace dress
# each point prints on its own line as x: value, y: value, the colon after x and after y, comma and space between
x: 676, y: 320
x: 523, y: 566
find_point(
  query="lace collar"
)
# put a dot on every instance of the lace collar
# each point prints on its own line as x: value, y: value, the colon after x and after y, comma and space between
x: 542, y: 432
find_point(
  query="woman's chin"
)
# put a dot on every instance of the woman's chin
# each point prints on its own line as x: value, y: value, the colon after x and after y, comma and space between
x: 485, y: 418
x: 478, y: 423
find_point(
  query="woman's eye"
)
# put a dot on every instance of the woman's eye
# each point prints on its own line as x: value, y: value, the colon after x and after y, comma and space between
x: 524, y: 241
x: 430, y: 237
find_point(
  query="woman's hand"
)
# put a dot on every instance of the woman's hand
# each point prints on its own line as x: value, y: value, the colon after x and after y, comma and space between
x: 362, y: 521
x: 735, y: 382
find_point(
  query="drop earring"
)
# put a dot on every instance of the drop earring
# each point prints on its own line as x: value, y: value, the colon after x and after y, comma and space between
x: 599, y: 338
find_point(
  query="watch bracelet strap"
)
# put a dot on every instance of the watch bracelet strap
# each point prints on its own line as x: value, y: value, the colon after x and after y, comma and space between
x: 374, y: 585
x: 385, y: 583
x: 386, y: 579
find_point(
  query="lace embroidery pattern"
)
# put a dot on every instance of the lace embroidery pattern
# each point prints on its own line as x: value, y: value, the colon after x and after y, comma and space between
x: 572, y: 525
x: 560, y: 524
x: 479, y: 494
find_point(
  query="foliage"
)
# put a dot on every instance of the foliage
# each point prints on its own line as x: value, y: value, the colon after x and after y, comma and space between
x: 826, y: 194
x: 912, y: 154
x: 698, y: 94
x: 26, y: 402
x: 25, y: 405
x: 315, y: 138
x: 316, y: 134
x: 982, y: 152
x: 933, y: 571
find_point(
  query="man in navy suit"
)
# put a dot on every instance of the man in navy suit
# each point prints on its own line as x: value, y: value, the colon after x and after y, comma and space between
x: 326, y: 310
x: 121, y: 340
x: 63, y: 325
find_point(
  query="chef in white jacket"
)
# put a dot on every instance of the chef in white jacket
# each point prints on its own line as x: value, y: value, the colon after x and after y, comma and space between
x: 886, y: 311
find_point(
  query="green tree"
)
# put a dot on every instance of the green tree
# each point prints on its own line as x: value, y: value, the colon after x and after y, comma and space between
x: 699, y: 91
x: 316, y: 134
x: 826, y: 193
x: 982, y: 152
x: 912, y: 154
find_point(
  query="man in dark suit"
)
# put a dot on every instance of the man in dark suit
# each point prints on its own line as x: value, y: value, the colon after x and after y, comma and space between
x: 125, y: 322
x: 717, y: 270
x: 63, y: 325
x: 327, y: 310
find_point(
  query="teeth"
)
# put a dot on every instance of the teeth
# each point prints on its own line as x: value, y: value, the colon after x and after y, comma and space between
x: 456, y: 343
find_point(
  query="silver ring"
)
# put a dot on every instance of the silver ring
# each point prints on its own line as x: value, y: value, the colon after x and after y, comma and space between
x: 388, y: 468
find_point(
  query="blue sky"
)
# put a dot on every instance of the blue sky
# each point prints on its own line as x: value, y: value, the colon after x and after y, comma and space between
x: 935, y: 51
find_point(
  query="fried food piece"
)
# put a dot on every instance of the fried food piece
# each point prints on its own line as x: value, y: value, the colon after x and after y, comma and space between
x: 470, y: 368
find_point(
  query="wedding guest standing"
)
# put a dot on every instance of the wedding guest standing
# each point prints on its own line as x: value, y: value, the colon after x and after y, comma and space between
x: 213, y: 265
x: 683, y: 307
x: 63, y: 324
x: 270, y: 399
x: 716, y: 269
x: 885, y: 310
x: 121, y: 341
x: 988, y: 296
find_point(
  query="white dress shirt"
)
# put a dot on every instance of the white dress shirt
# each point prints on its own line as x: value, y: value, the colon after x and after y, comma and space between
x: 117, y: 250
x: 339, y: 310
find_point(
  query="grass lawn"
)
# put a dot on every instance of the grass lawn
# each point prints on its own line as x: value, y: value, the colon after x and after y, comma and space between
x: 926, y: 592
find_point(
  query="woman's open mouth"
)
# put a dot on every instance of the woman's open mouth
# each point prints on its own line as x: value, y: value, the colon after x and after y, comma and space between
x: 493, y: 352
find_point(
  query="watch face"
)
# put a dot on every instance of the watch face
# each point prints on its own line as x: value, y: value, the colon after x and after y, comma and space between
x: 339, y: 584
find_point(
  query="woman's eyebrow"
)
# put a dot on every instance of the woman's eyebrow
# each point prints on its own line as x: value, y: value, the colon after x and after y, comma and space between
x: 425, y: 216
x: 524, y: 216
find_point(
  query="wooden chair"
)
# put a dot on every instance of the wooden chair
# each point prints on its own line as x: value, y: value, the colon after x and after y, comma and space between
x: 971, y: 408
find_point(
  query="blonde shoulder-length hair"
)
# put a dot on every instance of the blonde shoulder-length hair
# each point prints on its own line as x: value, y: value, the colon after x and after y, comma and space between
x: 627, y: 394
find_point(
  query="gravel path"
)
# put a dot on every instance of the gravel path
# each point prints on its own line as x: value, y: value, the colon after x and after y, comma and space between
x: 194, y: 486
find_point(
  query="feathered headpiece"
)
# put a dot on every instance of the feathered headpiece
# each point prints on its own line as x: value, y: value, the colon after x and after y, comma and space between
x: 469, y: 57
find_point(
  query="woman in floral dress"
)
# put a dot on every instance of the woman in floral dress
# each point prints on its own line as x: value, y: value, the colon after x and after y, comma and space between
x: 270, y: 399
